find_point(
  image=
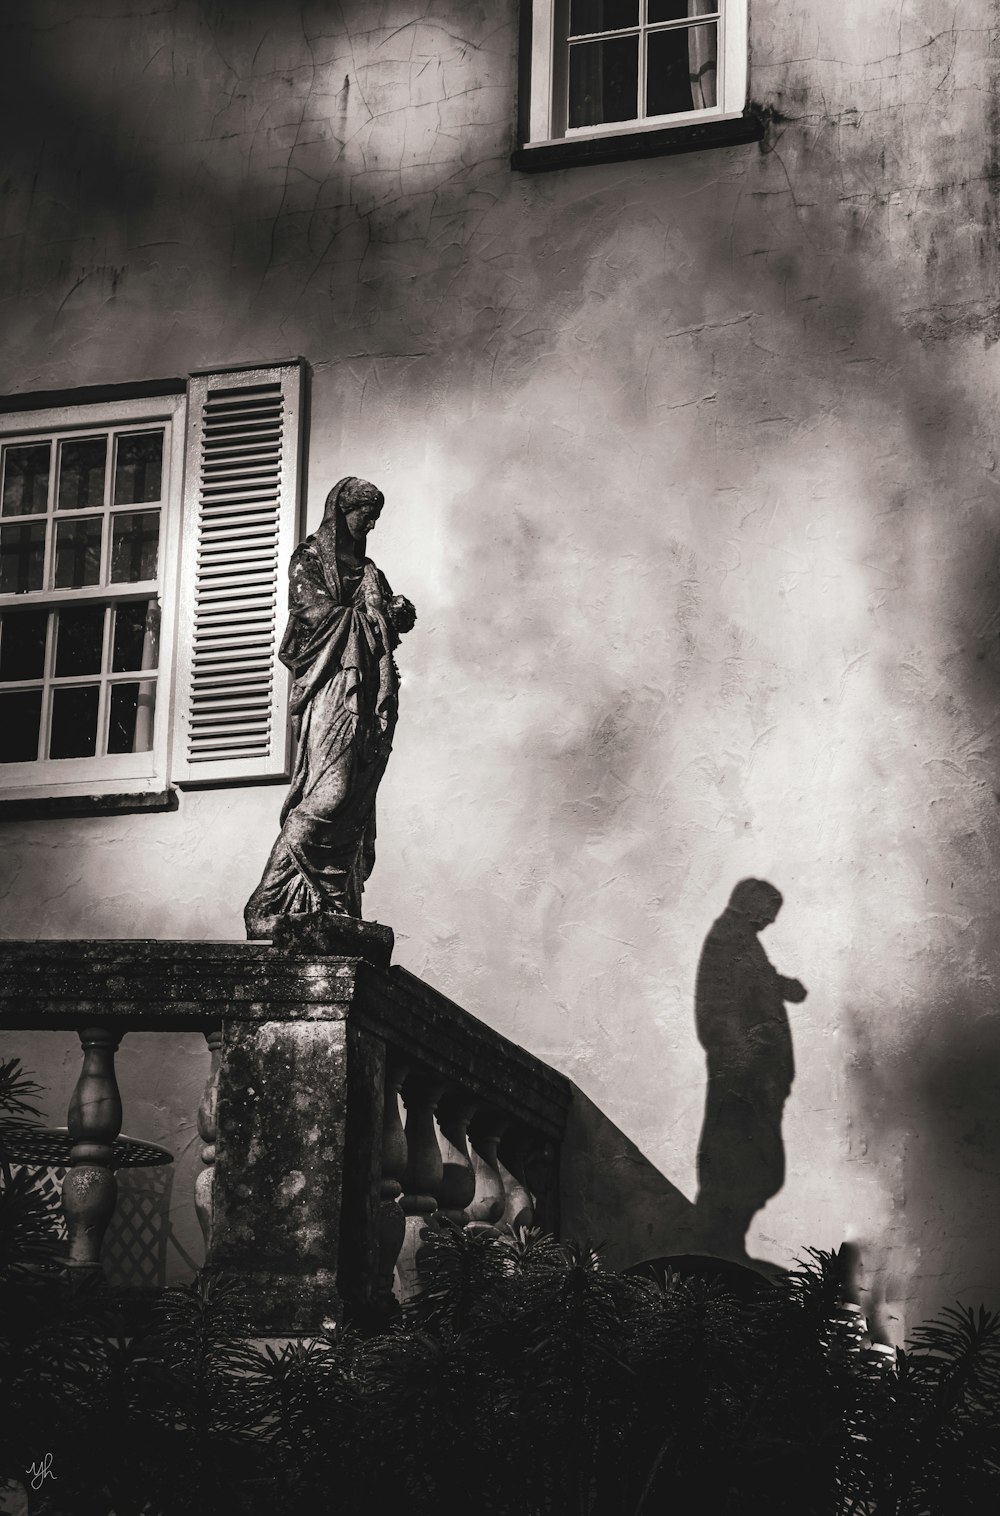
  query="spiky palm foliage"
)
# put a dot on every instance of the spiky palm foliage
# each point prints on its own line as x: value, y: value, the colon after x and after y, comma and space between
x: 929, y: 1434
x: 29, y: 1228
x: 702, y: 1429
x: 313, y: 1414
x: 17, y: 1091
x: 194, y: 1403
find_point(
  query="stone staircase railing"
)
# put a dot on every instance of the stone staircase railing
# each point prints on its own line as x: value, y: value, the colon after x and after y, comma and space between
x: 315, y: 1185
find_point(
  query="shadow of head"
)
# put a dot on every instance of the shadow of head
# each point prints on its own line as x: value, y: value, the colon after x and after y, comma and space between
x: 757, y: 901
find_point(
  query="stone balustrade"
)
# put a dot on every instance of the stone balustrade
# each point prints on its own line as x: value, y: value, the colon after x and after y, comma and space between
x: 348, y: 1107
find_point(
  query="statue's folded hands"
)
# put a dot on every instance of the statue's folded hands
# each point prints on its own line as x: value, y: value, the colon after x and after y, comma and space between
x: 401, y: 614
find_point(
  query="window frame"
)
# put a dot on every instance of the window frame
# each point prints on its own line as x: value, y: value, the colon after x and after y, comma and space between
x: 120, y: 773
x: 547, y: 47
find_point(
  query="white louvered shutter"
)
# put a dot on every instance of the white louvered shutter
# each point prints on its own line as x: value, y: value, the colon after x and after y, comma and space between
x: 241, y: 517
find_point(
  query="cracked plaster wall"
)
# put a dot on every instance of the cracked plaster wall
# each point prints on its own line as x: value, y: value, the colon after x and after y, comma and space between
x: 691, y: 472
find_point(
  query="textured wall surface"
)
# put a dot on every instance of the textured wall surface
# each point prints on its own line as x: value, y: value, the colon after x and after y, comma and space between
x: 691, y: 473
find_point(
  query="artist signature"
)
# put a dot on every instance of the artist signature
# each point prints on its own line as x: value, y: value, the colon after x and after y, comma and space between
x: 40, y: 1472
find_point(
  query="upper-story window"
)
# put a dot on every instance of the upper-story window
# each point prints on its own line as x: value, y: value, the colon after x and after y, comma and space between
x: 636, y: 60
x: 143, y: 543
x: 613, y: 66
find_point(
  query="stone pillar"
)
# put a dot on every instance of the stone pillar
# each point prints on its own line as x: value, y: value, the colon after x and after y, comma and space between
x: 90, y: 1190
x: 490, y: 1199
x: 391, y: 1229
x: 519, y: 1208
x: 539, y: 1167
x: 279, y: 1168
x: 513, y: 1163
x: 424, y: 1172
x: 207, y: 1131
x: 458, y: 1180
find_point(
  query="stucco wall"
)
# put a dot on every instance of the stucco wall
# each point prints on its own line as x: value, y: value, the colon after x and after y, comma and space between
x: 690, y: 471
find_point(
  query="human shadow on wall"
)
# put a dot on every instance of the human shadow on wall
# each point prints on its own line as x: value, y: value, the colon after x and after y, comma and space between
x: 743, y: 1026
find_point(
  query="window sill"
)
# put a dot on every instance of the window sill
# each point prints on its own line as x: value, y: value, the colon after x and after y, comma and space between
x: 618, y: 147
x: 64, y: 807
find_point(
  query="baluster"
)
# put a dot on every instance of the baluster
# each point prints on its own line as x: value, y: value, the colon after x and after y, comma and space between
x: 208, y: 1128
x: 519, y: 1205
x: 391, y: 1223
x: 90, y: 1190
x: 424, y: 1173
x: 487, y: 1207
x: 538, y: 1163
x: 458, y: 1185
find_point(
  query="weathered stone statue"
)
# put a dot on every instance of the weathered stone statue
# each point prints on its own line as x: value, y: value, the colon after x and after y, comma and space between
x: 343, y: 625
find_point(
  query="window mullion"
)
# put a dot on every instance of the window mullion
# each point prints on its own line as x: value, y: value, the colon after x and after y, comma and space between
x: 48, y: 668
x: 101, y: 747
x: 622, y: 31
x: 721, y: 59
x: 112, y: 455
x: 127, y: 676
x: 66, y: 681
x: 49, y: 557
x: 641, y: 72
x: 678, y: 24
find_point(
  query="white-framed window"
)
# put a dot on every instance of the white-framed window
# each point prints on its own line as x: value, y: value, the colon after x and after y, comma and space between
x: 142, y: 544
x: 89, y: 525
x: 609, y: 67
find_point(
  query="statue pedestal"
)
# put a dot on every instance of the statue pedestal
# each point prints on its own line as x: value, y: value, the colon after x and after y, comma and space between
x: 320, y: 932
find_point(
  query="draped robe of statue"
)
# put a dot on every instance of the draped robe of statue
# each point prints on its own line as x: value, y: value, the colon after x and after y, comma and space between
x: 338, y: 646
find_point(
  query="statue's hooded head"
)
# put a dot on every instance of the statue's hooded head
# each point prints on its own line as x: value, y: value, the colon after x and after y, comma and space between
x: 351, y: 510
x: 757, y: 901
x: 353, y: 498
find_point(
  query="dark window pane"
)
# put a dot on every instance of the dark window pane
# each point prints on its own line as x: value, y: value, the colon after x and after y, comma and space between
x: 22, y: 644
x: 138, y: 468
x: 603, y: 81
x: 137, y: 636
x: 74, y: 721
x: 676, y: 10
x: 79, y: 640
x: 22, y: 558
x: 681, y: 70
x: 601, y: 15
x: 131, y: 725
x: 20, y: 712
x: 26, y: 478
x: 78, y: 552
x: 81, y: 473
x: 135, y: 538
